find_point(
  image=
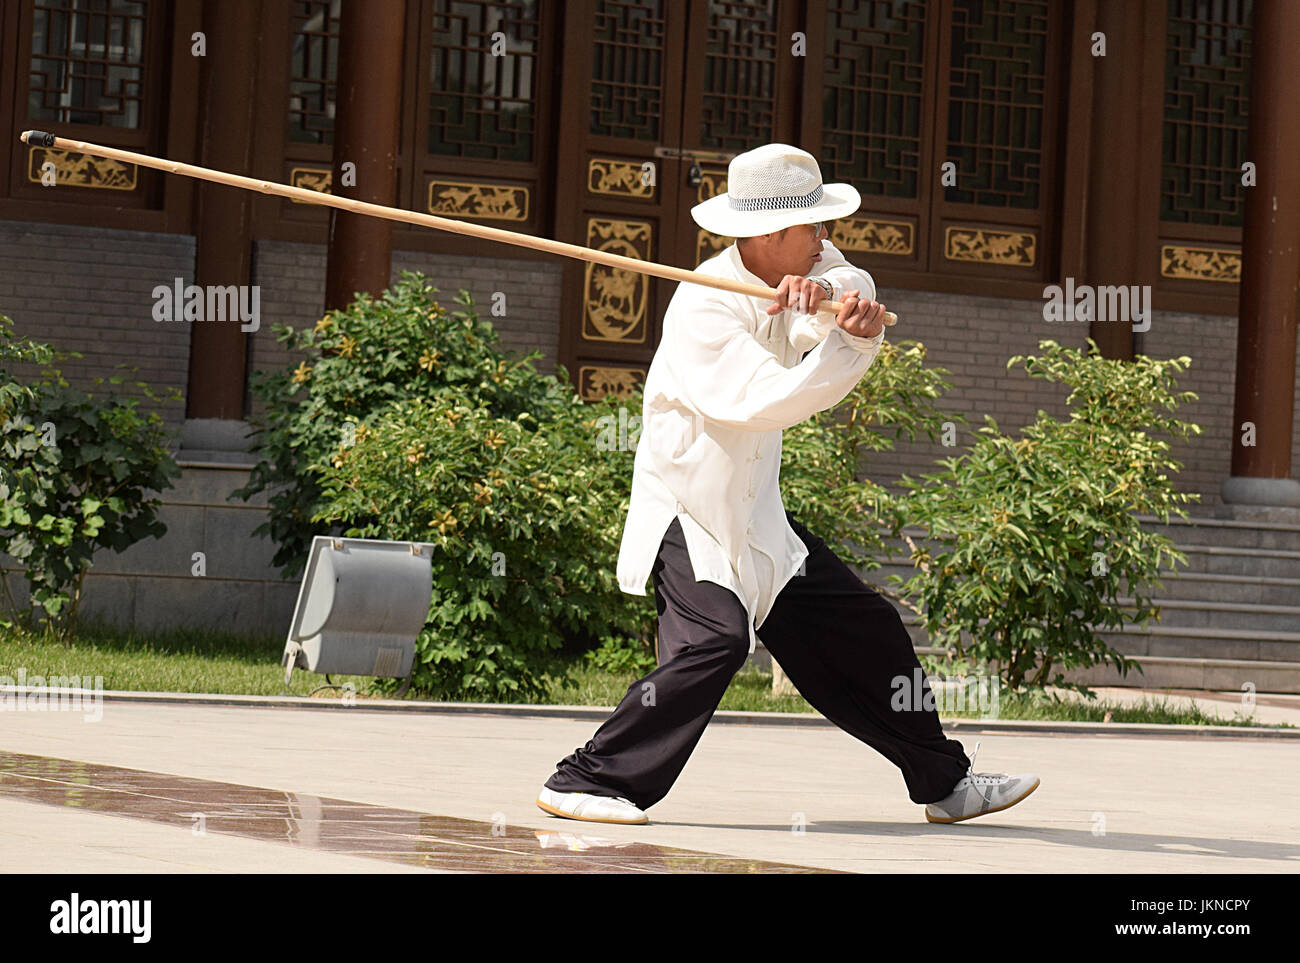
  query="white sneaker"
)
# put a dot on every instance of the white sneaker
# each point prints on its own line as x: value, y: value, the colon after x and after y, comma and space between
x: 980, y: 793
x: 594, y: 809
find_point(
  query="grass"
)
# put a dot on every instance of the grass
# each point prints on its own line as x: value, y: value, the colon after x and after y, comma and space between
x: 180, y: 660
x: 221, y: 662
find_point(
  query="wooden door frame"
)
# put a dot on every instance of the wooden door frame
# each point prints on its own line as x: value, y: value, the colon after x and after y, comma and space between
x: 574, y: 203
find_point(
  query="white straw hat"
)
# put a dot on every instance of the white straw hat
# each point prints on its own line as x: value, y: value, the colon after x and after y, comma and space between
x: 771, y: 188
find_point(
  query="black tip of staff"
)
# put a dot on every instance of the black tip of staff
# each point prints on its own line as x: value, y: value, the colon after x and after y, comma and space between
x: 38, y: 138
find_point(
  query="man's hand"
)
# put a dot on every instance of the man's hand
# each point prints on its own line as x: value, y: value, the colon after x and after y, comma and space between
x: 799, y: 293
x: 864, y: 319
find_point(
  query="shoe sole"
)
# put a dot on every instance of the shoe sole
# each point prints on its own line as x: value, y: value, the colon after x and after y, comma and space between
x: 960, y: 819
x: 589, y: 819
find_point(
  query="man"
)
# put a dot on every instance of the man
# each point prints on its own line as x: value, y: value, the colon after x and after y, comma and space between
x: 707, y: 524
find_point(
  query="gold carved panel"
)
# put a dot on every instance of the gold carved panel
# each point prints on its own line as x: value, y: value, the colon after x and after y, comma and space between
x: 75, y: 169
x: 614, y: 300
x: 989, y: 246
x: 619, y: 178
x: 597, y: 381
x: 1200, y: 263
x: 707, y: 245
x: 311, y: 179
x: 466, y: 199
x: 873, y: 235
x: 712, y: 182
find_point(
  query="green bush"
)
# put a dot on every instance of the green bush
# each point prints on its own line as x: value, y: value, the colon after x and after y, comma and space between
x: 361, y: 360
x: 823, y: 457
x: 79, y: 469
x: 526, y: 517
x: 616, y: 655
x: 17, y: 350
x: 408, y: 422
x: 1034, y: 540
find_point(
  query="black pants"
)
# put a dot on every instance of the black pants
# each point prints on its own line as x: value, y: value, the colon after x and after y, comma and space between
x: 841, y: 644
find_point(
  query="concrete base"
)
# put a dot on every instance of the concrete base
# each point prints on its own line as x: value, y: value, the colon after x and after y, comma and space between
x: 216, y: 434
x: 157, y: 584
x: 1238, y: 489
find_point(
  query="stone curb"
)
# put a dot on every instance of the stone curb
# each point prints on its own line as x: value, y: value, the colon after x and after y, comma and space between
x: 600, y: 713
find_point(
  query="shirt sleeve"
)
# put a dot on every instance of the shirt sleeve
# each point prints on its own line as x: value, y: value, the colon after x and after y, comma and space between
x: 727, y: 376
x: 807, y: 330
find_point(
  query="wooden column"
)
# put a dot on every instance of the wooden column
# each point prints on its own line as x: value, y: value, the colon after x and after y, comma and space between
x: 1112, y: 247
x: 223, y: 215
x: 368, y: 105
x: 1266, y: 327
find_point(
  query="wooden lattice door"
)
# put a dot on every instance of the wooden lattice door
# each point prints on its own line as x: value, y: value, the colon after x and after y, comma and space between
x: 657, y: 97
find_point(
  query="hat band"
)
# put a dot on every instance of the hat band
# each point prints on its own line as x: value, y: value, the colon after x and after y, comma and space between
x: 774, y: 203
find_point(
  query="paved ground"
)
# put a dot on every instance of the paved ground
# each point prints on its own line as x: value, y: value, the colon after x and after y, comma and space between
x: 1108, y: 803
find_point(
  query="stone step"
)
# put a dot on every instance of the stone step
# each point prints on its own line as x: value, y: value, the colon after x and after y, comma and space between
x: 1276, y: 568
x: 1229, y: 560
x: 1208, y: 643
x: 1245, y: 589
x: 1227, y: 532
x: 1201, y: 560
x: 1193, y: 613
x: 1164, y: 672
x: 1176, y: 641
x: 1230, y: 533
x: 1185, y: 587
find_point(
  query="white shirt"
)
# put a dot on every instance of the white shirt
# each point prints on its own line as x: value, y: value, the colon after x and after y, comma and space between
x: 725, y: 381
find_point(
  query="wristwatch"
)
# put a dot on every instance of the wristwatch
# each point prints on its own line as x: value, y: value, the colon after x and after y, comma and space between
x: 825, y: 286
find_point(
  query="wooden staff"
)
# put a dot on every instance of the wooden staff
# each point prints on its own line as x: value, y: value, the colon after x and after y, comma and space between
x: 40, y: 138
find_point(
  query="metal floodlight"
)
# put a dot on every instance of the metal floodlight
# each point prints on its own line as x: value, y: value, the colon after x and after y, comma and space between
x: 361, y: 605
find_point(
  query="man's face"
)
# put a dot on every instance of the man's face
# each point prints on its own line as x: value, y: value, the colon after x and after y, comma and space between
x: 797, y: 249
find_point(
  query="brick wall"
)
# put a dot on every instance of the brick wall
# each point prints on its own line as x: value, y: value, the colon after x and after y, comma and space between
x: 532, y: 296
x: 973, y: 338
x: 292, y: 281
x: 88, y: 289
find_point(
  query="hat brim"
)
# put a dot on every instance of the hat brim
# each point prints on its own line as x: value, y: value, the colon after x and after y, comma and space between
x: 716, y: 216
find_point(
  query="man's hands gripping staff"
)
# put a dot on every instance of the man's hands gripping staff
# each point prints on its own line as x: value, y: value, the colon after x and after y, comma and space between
x: 863, y: 319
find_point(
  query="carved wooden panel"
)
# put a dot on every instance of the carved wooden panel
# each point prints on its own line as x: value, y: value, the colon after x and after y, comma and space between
x: 614, y: 300
x: 75, y: 169
x: 997, y: 78
x: 483, y: 79
x: 88, y: 62
x: 872, y: 100
x: 627, y: 69
x: 313, y: 71
x: 1207, y: 90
